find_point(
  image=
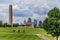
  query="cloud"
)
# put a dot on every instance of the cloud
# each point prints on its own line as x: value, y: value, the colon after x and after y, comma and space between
x: 4, y: 17
x: 23, y: 9
x: 19, y: 19
x: 25, y: 13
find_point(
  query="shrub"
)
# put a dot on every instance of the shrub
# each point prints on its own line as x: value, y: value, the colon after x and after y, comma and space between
x: 23, y: 31
x: 13, y: 30
x: 18, y: 30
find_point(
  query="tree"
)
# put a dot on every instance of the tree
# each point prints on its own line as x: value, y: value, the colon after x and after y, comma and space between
x: 52, y: 23
x: 1, y: 23
x: 5, y: 24
x: 29, y: 20
x: 15, y: 25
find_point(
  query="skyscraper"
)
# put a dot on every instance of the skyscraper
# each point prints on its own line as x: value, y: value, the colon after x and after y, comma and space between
x: 29, y: 20
x: 35, y: 23
x: 10, y: 14
x: 40, y: 23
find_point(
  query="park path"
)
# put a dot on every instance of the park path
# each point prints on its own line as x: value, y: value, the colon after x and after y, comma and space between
x: 42, y: 36
x: 58, y: 38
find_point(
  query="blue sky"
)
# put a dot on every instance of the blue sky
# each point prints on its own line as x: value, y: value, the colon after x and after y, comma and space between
x: 23, y: 9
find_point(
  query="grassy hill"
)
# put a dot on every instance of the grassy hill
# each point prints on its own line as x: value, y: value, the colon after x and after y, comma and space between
x: 24, y: 34
x: 18, y: 37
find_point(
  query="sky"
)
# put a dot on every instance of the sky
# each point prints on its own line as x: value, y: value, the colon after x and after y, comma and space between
x: 24, y: 9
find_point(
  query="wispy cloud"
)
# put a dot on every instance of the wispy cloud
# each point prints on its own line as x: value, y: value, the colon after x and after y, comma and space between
x: 36, y: 9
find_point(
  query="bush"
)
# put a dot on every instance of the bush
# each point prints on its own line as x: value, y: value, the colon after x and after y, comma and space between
x: 23, y: 31
x: 13, y: 30
x: 18, y: 30
x: 15, y: 25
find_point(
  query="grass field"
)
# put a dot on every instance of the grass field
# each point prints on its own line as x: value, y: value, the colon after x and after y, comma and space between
x: 18, y: 37
x: 8, y: 34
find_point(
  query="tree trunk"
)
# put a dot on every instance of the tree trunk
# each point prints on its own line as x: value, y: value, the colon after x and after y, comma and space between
x: 56, y: 37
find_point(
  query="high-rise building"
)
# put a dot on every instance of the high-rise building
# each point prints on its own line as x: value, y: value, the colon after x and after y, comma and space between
x: 10, y: 14
x: 40, y: 23
x: 35, y: 23
x: 29, y: 20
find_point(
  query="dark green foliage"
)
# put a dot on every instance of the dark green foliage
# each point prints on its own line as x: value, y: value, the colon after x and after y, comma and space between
x: 52, y: 23
x: 5, y: 24
x: 55, y: 13
x: 18, y: 30
x: 1, y: 23
x: 14, y: 30
x: 15, y: 25
x: 23, y: 31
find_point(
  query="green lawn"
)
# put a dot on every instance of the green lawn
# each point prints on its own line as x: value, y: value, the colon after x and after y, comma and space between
x: 18, y: 37
x: 8, y: 34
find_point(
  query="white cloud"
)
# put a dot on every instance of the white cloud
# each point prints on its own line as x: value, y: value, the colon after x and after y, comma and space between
x: 35, y: 16
x: 15, y: 7
x: 4, y: 17
x: 27, y: 7
x: 19, y: 19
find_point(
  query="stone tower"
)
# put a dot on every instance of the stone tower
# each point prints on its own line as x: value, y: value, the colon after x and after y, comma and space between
x: 10, y: 15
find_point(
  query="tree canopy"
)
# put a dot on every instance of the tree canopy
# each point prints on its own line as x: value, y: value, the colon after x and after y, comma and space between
x: 52, y: 23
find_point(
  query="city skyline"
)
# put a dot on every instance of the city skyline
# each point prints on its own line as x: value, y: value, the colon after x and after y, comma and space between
x: 23, y: 9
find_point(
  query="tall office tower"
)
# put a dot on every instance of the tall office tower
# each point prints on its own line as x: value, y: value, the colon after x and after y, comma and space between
x: 35, y: 23
x: 10, y: 15
x: 40, y: 23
